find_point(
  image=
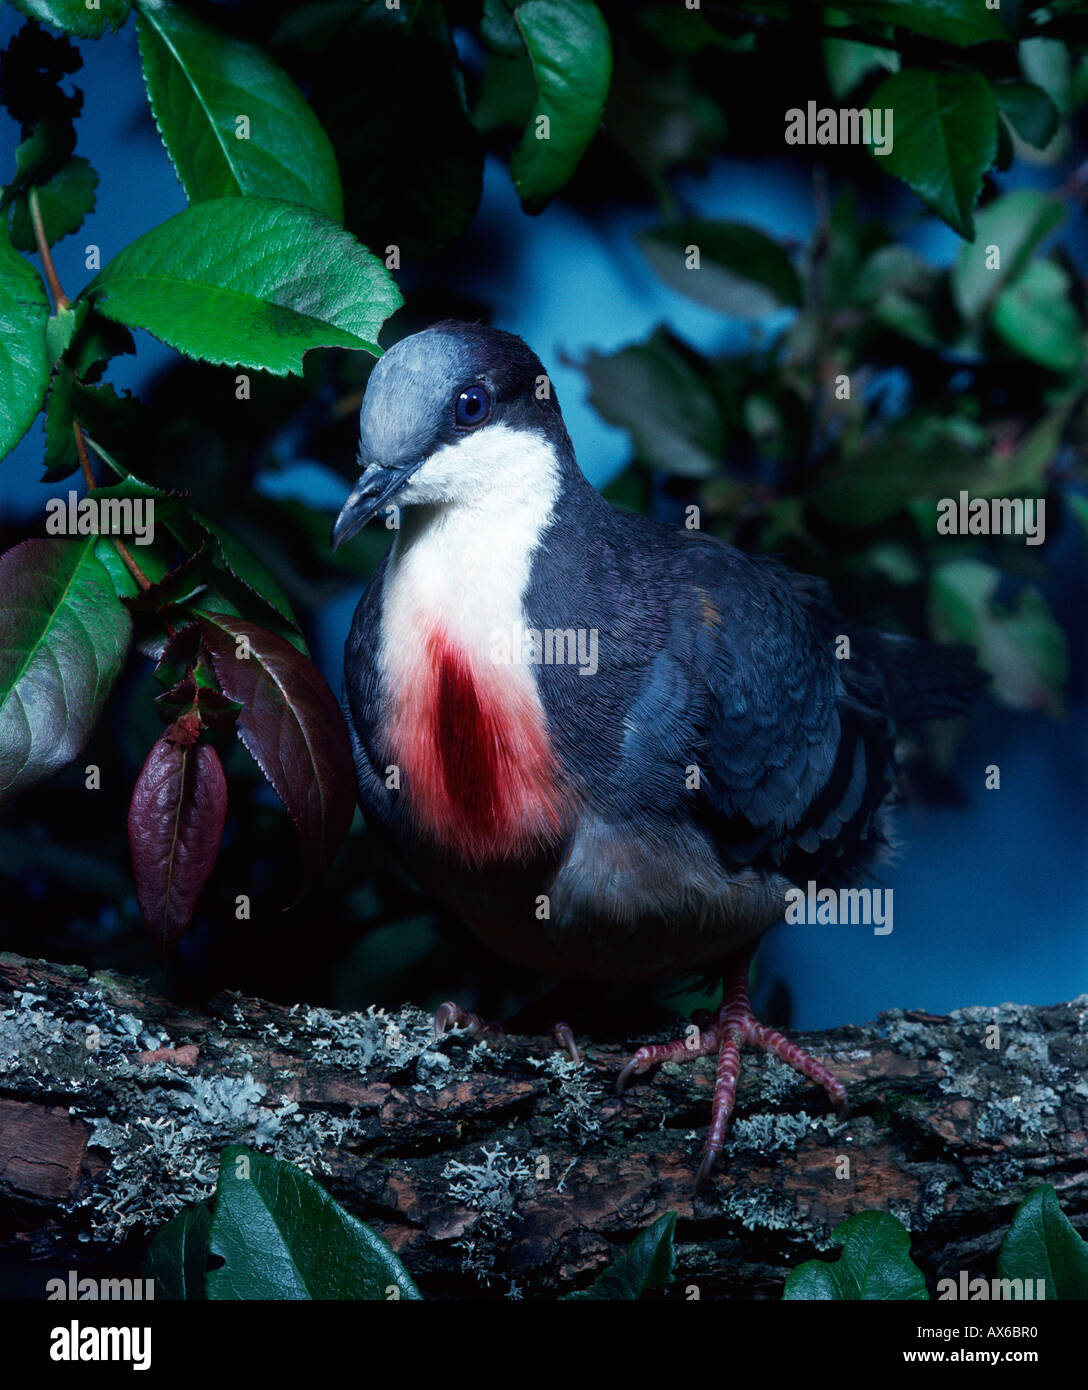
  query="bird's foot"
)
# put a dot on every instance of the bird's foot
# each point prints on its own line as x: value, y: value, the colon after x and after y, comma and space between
x: 735, y: 1026
x: 451, y: 1015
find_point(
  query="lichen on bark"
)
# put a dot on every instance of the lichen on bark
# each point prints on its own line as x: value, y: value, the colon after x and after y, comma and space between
x: 115, y: 1103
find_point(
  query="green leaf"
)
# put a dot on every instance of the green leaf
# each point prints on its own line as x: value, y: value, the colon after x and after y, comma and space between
x: 42, y: 154
x: 121, y: 577
x: 281, y: 1236
x: 136, y: 488
x: 571, y: 53
x: 246, y: 567
x: 898, y: 288
x: 1051, y: 64
x: 61, y: 457
x: 177, y: 1258
x: 498, y: 30
x: 96, y: 341
x: 200, y: 83
x: 647, y: 1264
x: 154, y: 560
x: 919, y: 457
x: 1022, y: 469
x: 950, y: 20
x: 63, y: 638
x: 672, y: 417
x: 111, y: 463
x: 249, y: 281
x: 1029, y: 111
x: 74, y: 17
x: 232, y: 575
x: 1015, y: 224
x: 895, y: 562
x: 1042, y: 1244
x: 24, y: 355
x: 945, y: 138
x: 103, y: 411
x: 215, y: 601
x: 661, y: 120
x: 846, y: 62
x: 506, y: 92
x: 62, y: 328
x: 1036, y: 317
x: 65, y: 200
x: 875, y: 1264
x: 740, y: 270
x: 1021, y: 646
x: 388, y: 88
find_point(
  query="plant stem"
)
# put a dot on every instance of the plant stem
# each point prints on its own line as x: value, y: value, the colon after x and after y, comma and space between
x: 84, y: 457
x: 134, y: 569
x: 88, y: 477
x: 60, y: 299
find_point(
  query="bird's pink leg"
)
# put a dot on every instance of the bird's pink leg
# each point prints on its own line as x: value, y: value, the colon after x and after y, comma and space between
x: 734, y: 1027
x: 683, y: 1050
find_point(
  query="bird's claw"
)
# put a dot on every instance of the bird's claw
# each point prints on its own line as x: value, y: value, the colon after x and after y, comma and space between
x: 636, y: 1065
x: 564, y: 1036
x: 450, y: 1015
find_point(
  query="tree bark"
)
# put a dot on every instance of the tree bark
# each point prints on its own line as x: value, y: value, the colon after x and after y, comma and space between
x: 499, y: 1168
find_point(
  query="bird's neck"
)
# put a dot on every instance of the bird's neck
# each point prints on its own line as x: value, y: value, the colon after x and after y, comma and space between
x: 462, y: 566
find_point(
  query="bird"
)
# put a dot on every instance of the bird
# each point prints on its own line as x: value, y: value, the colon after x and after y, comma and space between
x: 610, y: 744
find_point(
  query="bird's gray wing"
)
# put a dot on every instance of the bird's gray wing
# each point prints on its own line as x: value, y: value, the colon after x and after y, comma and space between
x: 799, y: 743
x: 792, y: 747
x: 360, y: 701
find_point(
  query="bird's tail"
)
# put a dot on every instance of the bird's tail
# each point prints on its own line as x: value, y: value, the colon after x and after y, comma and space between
x: 927, y: 680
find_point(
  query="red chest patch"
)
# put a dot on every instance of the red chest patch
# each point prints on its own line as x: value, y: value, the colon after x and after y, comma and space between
x: 476, y: 761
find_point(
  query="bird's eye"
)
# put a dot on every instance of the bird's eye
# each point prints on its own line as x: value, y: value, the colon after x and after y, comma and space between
x: 472, y: 406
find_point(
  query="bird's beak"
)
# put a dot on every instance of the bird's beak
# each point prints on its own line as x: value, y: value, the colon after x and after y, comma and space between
x: 376, y: 486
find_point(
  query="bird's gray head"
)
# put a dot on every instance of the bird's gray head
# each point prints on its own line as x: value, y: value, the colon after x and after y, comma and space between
x: 449, y: 415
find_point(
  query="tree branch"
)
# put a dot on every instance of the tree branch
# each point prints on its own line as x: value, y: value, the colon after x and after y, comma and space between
x: 498, y: 1166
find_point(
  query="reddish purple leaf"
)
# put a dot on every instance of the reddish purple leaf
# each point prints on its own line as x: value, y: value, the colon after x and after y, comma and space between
x: 175, y: 823
x: 292, y: 727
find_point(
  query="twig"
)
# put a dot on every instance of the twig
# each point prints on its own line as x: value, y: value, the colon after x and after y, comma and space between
x: 84, y: 457
x: 60, y: 299
x: 88, y: 477
x: 137, y: 573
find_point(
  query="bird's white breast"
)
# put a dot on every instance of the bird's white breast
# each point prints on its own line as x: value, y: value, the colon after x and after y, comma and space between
x: 468, y: 729
x: 488, y: 499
